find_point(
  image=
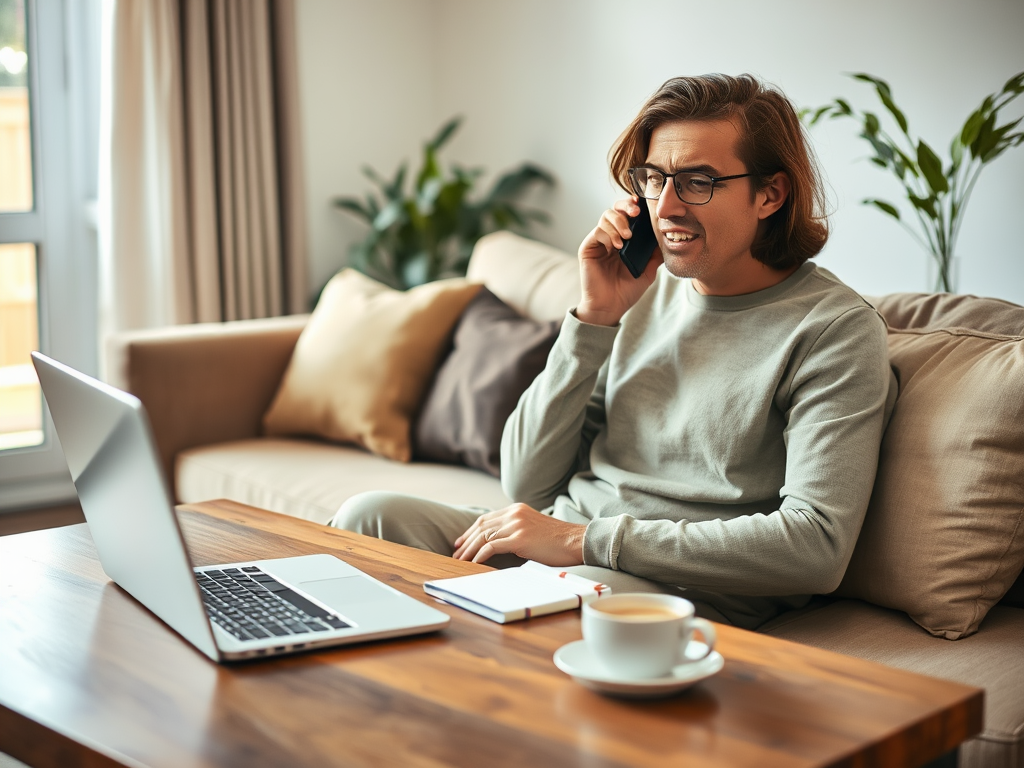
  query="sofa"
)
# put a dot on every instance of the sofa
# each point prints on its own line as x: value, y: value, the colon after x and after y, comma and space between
x: 935, y: 582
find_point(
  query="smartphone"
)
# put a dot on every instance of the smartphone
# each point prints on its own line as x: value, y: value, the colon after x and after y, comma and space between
x: 637, y: 251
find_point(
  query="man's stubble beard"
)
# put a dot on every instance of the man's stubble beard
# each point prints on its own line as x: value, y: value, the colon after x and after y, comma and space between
x: 697, y: 267
x: 690, y: 268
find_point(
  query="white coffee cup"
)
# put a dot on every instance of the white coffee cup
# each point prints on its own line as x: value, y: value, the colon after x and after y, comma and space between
x: 642, y: 636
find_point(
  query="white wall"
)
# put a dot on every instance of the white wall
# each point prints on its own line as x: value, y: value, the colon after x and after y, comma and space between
x: 555, y: 81
x: 367, y: 88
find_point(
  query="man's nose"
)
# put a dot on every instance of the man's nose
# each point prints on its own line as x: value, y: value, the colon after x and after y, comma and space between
x: 669, y: 204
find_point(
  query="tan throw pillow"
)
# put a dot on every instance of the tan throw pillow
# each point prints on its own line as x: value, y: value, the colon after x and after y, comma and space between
x: 944, y: 534
x: 364, y: 361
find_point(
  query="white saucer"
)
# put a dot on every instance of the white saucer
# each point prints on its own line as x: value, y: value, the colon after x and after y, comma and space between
x: 576, y: 661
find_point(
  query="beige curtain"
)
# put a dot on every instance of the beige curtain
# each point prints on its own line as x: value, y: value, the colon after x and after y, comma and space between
x: 201, y: 209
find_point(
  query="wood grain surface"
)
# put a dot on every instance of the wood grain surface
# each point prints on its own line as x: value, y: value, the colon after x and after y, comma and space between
x: 89, y: 677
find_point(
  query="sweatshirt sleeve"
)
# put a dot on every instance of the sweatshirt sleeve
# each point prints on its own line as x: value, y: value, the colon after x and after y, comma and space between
x: 547, y: 438
x: 836, y: 409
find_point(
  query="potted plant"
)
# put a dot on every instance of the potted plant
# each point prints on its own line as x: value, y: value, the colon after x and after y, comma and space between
x: 937, y: 189
x: 429, y: 231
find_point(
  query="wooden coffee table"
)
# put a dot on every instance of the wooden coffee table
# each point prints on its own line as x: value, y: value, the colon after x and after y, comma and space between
x: 89, y: 677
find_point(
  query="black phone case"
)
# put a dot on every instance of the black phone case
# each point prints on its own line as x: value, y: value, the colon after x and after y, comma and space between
x: 637, y: 251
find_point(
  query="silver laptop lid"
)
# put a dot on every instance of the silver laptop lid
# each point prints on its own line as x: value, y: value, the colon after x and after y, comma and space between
x: 110, y: 452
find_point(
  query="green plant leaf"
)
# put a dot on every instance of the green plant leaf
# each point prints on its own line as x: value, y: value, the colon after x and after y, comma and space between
x: 467, y: 175
x: 931, y: 167
x: 987, y: 138
x: 888, y: 208
x: 445, y: 133
x: 984, y: 140
x: 1005, y: 129
x: 999, y: 142
x: 415, y: 271
x: 971, y: 128
x: 372, y: 206
x: 391, y: 214
x: 818, y: 114
x: 894, y: 111
x: 995, y: 152
x: 355, y: 207
x: 907, y: 163
x: 880, y: 85
x: 924, y: 204
x: 956, y: 153
x: 1015, y: 84
x: 885, y: 96
x: 393, y: 191
x: 430, y: 169
x: 883, y: 150
x: 871, y: 124
x: 373, y: 176
x: 427, y: 195
x: 514, y: 183
x: 533, y: 214
x: 507, y: 216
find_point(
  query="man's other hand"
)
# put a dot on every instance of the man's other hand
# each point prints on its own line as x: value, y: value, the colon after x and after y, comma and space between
x: 525, y: 532
x: 608, y: 289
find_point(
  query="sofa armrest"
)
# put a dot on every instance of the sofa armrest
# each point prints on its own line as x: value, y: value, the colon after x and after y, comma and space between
x: 204, y: 383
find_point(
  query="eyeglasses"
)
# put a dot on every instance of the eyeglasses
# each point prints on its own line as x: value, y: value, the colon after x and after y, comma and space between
x: 692, y: 188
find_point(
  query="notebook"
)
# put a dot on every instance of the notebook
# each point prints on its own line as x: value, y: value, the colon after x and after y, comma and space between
x: 511, y: 594
x: 304, y: 602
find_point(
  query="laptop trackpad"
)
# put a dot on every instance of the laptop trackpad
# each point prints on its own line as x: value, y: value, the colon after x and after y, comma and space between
x: 360, y: 601
x: 344, y: 593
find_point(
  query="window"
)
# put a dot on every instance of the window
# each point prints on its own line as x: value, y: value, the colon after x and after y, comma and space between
x: 49, y: 94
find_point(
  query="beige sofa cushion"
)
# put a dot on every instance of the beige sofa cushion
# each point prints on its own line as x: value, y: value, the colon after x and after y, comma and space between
x: 990, y: 659
x: 311, y: 479
x: 943, y: 538
x: 537, y: 280
x: 364, y: 361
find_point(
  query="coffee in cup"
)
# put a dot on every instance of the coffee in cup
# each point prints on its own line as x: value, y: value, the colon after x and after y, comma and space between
x: 642, y: 636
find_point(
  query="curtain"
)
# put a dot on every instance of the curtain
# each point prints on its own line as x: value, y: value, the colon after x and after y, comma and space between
x: 201, y: 191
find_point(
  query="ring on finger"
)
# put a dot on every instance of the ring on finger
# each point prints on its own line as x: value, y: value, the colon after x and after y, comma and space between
x: 491, y: 534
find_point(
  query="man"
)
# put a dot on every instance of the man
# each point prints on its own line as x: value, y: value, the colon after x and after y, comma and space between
x: 712, y: 427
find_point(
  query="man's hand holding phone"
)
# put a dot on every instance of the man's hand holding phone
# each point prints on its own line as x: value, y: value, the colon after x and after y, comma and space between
x: 609, y: 287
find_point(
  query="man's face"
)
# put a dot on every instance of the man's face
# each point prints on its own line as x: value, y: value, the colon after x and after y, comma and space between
x: 710, y: 243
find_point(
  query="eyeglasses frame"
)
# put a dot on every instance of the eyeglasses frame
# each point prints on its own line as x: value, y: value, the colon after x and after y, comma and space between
x: 631, y: 172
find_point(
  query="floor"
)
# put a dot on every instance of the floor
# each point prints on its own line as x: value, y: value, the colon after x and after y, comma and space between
x: 33, y: 520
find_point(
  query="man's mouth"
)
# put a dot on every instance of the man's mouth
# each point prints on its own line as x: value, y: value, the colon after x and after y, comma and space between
x: 679, y: 237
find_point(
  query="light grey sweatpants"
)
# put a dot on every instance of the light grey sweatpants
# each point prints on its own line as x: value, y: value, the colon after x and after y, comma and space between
x: 433, y: 526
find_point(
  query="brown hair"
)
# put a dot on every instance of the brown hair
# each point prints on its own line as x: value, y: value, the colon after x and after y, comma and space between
x: 772, y: 140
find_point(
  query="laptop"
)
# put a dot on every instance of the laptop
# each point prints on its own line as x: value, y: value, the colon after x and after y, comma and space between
x: 229, y: 612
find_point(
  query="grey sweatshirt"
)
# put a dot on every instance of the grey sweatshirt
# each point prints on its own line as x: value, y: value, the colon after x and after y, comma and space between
x: 727, y: 445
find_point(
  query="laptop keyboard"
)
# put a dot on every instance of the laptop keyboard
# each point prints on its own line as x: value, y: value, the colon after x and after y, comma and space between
x: 251, y: 604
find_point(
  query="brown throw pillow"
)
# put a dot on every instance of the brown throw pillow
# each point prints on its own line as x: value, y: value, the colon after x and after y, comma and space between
x: 364, y: 361
x: 496, y: 355
x: 943, y: 538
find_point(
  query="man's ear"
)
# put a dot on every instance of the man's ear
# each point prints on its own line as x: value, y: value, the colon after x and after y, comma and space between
x: 773, y: 195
